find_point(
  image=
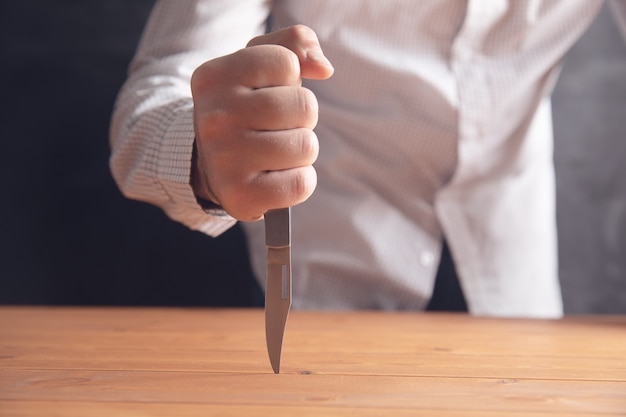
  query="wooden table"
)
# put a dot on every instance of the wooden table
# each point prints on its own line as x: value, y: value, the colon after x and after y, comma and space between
x: 203, y: 362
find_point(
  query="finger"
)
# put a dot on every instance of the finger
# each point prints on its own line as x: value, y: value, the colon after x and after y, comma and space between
x: 278, y: 108
x: 268, y: 66
x: 287, y: 187
x: 279, y: 150
x: 302, y: 41
x: 269, y: 190
x: 257, y: 67
x: 273, y: 189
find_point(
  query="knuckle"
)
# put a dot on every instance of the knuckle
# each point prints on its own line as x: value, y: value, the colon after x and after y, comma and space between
x: 210, y: 74
x: 309, y: 145
x: 304, y: 181
x: 308, y: 105
x: 201, y: 77
x: 288, y: 61
x: 273, y: 65
x: 300, y: 32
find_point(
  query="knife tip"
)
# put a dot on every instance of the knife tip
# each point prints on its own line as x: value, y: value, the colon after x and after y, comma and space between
x: 276, y: 368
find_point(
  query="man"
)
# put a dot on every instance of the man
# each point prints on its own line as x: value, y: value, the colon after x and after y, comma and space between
x: 434, y: 121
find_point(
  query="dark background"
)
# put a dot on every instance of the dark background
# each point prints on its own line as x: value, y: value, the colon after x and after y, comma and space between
x: 67, y: 236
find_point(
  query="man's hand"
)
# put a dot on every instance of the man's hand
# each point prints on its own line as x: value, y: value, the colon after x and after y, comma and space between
x: 254, y: 124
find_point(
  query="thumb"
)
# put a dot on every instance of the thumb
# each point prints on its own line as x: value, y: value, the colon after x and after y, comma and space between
x: 315, y: 65
x: 302, y: 41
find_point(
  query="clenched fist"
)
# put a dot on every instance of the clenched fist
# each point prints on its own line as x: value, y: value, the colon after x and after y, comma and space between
x: 254, y: 124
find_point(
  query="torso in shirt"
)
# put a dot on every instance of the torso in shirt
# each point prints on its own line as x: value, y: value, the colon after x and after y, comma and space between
x: 426, y: 95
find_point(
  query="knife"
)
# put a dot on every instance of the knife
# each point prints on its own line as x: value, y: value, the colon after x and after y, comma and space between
x: 278, y: 284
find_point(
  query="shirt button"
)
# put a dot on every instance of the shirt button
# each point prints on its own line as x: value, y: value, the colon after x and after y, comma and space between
x: 427, y: 259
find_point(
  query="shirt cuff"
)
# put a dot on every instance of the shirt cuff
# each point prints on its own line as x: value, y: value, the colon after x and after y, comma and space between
x: 174, y: 172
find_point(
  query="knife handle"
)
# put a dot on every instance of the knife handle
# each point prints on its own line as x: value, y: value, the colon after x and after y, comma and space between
x: 278, y: 227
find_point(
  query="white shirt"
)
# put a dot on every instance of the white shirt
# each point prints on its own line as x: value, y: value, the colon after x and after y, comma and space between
x: 436, y: 123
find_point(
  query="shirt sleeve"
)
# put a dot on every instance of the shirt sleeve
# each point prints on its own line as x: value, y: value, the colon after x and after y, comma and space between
x: 152, y: 132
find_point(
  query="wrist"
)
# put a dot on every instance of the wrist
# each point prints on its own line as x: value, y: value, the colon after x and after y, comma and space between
x: 200, y: 188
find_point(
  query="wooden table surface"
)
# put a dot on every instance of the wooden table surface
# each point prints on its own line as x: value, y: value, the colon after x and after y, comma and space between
x: 203, y: 362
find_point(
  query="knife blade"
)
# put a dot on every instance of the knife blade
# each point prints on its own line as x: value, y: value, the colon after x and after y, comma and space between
x: 278, y: 281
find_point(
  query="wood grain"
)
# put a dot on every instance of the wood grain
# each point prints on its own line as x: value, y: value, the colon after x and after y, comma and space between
x: 187, y: 362
x: 91, y: 409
